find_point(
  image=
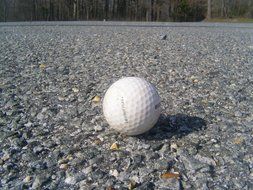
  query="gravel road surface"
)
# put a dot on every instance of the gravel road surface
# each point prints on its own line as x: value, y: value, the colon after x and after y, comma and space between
x: 52, y: 131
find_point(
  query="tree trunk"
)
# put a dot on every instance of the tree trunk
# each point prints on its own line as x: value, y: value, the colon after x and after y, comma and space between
x: 225, y: 9
x: 49, y: 10
x: 77, y: 9
x: 209, y: 9
x: 87, y: 7
x: 152, y: 10
x: 118, y: 4
x: 106, y: 9
x: 74, y: 10
x: 172, y: 7
x: 127, y: 10
x: 222, y: 8
x: 158, y: 14
x: 35, y: 10
x: 147, y: 15
x: 87, y: 15
x: 5, y: 11
x: 136, y: 10
x: 59, y: 7
x: 69, y: 12
x: 113, y: 9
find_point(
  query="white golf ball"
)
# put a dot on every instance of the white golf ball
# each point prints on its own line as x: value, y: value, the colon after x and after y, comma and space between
x: 131, y: 106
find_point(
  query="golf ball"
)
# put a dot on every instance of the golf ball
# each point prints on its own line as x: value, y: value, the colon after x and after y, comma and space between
x: 131, y: 106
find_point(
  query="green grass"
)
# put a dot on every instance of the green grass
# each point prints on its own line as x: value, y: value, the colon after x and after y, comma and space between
x: 232, y: 20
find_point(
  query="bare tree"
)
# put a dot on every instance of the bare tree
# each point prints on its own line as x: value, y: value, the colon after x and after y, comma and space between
x: 106, y: 10
x: 75, y: 9
x: 35, y: 10
x: 209, y: 9
x: 222, y: 8
x: 4, y: 3
x: 139, y: 10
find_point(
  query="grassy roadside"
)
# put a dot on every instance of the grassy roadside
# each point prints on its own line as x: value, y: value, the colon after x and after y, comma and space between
x: 231, y: 20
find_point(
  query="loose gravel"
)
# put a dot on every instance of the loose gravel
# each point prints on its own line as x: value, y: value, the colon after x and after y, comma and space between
x: 52, y: 131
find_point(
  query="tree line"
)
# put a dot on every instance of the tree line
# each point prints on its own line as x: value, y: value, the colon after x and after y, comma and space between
x: 130, y: 10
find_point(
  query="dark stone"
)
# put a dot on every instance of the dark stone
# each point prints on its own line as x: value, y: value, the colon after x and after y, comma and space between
x: 98, y: 174
x: 38, y: 149
x: 157, y: 146
x: 41, y: 180
x: 147, y: 186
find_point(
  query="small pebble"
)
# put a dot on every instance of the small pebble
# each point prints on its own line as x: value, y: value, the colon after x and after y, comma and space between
x: 98, y: 128
x: 70, y: 180
x: 114, y: 146
x: 87, y: 170
x: 114, y: 173
x: 64, y: 166
x: 5, y: 157
x: 96, y: 99
x: 42, y: 66
x: 173, y: 147
x: 75, y: 90
x: 27, y: 179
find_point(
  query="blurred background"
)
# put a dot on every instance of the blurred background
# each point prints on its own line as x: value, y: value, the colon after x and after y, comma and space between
x: 127, y: 10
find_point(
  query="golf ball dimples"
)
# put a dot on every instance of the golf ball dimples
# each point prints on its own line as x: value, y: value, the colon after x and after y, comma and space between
x: 131, y: 106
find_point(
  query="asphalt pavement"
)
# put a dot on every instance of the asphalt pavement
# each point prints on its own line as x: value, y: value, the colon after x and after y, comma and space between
x: 52, y: 131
